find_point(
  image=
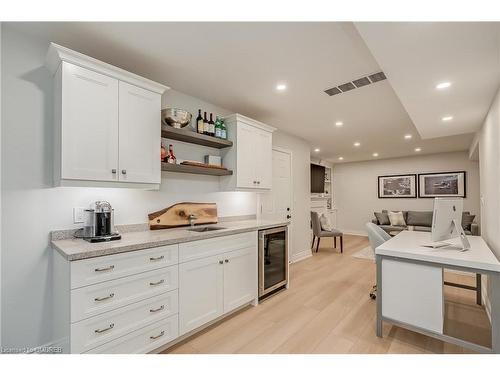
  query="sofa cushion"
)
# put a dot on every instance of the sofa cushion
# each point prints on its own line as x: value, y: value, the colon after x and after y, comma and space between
x: 419, y: 218
x: 382, y: 218
x: 397, y: 218
x: 390, y: 228
x: 405, y: 213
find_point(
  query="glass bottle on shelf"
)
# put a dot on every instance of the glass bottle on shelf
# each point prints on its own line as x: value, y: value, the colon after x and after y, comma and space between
x: 171, y: 156
x: 163, y: 153
x: 200, y: 127
x: 206, y: 126
x: 223, y: 130
x: 212, y: 125
x: 218, y: 128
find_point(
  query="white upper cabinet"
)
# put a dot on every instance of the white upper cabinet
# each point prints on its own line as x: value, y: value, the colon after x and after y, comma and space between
x: 140, y: 134
x: 250, y: 158
x: 89, y: 147
x: 107, y: 123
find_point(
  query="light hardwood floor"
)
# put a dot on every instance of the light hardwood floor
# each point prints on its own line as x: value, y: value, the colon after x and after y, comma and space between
x: 327, y: 310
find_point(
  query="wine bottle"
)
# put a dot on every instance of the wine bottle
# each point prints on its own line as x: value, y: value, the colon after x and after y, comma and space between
x: 206, y: 126
x: 200, y: 127
x: 218, y: 128
x: 212, y: 126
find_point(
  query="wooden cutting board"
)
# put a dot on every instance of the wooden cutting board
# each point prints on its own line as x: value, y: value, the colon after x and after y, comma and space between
x: 177, y: 215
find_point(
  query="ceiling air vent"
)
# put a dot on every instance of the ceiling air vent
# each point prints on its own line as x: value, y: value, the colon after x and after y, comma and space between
x: 356, y: 84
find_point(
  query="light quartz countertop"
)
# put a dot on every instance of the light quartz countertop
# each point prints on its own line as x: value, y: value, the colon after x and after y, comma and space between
x: 77, y: 249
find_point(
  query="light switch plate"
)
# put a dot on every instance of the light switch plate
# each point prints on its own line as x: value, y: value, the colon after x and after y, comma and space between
x: 78, y: 215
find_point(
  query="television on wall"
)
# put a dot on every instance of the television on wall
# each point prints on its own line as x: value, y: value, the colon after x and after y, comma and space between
x: 317, y: 178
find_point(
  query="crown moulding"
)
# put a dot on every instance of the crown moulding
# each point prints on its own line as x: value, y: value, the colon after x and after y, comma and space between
x: 57, y: 54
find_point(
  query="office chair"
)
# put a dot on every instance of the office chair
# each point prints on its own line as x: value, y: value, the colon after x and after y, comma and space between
x: 377, y: 236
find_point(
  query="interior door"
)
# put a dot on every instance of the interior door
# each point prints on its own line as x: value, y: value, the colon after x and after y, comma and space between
x: 89, y: 125
x: 247, y: 153
x: 240, y: 278
x: 140, y: 135
x: 201, y: 292
x: 277, y: 204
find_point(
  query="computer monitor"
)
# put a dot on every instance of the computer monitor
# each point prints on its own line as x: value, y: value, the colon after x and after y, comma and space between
x: 447, y: 221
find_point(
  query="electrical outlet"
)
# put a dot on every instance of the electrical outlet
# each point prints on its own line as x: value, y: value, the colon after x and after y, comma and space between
x: 78, y: 215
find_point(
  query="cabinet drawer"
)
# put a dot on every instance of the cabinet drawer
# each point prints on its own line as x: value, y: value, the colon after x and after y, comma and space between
x: 205, y: 248
x: 90, y: 333
x: 143, y: 340
x: 110, y: 267
x: 100, y: 298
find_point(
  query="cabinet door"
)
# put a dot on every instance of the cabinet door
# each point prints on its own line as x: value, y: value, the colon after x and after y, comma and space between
x: 240, y: 278
x: 89, y: 134
x: 200, y: 292
x: 264, y: 159
x: 140, y: 135
x: 246, y: 156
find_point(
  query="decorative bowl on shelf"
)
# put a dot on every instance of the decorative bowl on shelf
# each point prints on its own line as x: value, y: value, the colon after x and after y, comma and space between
x: 175, y: 117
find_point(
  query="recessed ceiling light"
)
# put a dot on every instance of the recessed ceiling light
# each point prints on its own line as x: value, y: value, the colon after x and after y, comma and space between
x: 316, y: 150
x: 375, y: 154
x: 447, y: 118
x: 281, y: 87
x: 339, y: 123
x: 408, y: 136
x: 418, y: 149
x: 341, y: 158
x: 357, y: 144
x: 443, y: 85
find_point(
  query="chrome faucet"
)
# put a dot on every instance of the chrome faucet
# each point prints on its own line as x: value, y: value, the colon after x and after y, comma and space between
x: 191, y: 219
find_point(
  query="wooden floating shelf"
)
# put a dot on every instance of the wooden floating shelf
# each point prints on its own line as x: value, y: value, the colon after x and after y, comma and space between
x: 195, y: 170
x: 193, y: 137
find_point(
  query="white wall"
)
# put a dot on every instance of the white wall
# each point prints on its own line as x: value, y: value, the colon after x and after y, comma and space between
x: 355, y: 186
x: 301, y: 191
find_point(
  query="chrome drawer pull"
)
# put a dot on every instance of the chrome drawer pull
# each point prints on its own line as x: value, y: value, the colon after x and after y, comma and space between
x: 157, y: 336
x: 105, y: 329
x: 157, y: 283
x: 99, y: 299
x: 158, y: 309
x: 110, y: 268
x: 152, y: 259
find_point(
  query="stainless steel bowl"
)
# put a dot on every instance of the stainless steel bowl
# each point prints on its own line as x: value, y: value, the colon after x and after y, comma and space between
x: 175, y: 117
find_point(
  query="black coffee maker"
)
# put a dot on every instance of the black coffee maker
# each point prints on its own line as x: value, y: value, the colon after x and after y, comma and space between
x: 99, y: 223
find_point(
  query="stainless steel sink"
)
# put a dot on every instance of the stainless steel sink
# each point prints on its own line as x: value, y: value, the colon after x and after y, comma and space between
x: 205, y: 229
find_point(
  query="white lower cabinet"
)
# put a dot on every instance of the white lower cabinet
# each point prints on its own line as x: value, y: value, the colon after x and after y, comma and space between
x: 213, y: 286
x: 139, y: 301
x: 201, y: 298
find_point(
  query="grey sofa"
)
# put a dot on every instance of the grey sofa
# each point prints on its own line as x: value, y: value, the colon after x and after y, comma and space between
x: 422, y: 221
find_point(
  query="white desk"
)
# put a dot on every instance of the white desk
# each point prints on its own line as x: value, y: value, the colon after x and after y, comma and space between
x: 410, y: 284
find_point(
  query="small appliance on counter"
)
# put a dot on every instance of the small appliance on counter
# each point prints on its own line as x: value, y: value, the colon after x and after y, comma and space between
x: 99, y: 224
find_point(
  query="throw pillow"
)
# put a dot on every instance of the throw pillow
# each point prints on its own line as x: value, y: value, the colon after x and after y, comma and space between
x: 382, y: 218
x: 397, y: 219
x: 467, y: 221
x: 325, y: 223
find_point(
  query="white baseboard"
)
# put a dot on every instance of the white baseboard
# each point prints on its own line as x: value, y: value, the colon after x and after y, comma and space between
x: 301, y: 256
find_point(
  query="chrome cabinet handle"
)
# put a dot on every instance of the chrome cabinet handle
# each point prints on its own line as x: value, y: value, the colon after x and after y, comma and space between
x: 157, y: 336
x: 99, y: 299
x: 221, y: 262
x: 152, y: 259
x: 111, y: 326
x: 110, y: 268
x: 157, y: 283
x: 158, y: 309
x: 113, y: 171
x: 226, y: 260
x: 124, y: 171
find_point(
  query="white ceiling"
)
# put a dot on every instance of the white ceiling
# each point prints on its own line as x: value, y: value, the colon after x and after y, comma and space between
x: 237, y: 66
x: 417, y: 56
